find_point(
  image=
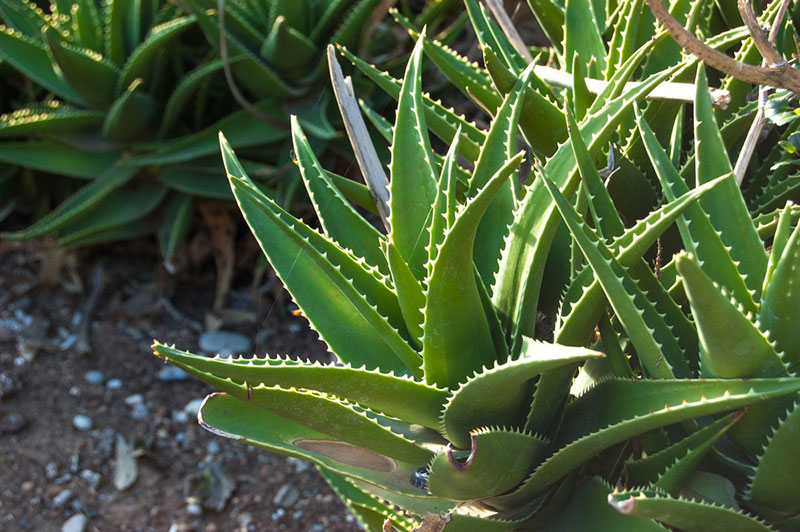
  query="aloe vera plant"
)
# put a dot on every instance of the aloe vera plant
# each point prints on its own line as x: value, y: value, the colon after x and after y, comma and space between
x: 446, y: 412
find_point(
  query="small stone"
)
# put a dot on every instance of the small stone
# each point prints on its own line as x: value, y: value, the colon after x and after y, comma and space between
x: 139, y: 411
x: 172, y: 373
x: 75, y: 391
x: 213, y: 447
x: 295, y: 328
x: 27, y: 486
x: 194, y: 509
x: 287, y: 495
x: 51, y: 470
x: 74, y: 461
x: 180, y: 416
x: 8, y: 386
x: 317, y: 528
x: 114, y: 384
x: 76, y: 523
x: 125, y: 467
x: 94, y: 377
x: 135, y: 399
x: 193, y: 407
x: 224, y: 343
x: 92, y: 478
x: 277, y: 514
x: 12, y: 423
x: 62, y: 498
x: 82, y: 422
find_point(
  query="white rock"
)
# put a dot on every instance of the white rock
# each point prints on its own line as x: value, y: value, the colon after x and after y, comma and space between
x: 76, y: 523
x: 82, y: 422
x: 193, y: 407
x: 224, y: 343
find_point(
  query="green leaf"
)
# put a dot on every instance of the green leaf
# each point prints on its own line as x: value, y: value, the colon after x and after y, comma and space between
x: 778, y: 314
x: 776, y: 479
x: 731, y: 346
x: 176, y: 218
x: 725, y: 207
x: 582, y: 36
x: 551, y: 17
x: 79, y: 203
x: 46, y: 119
x: 130, y: 115
x: 31, y: 58
x: 61, y: 159
x: 338, y: 218
x: 618, y: 409
x: 410, y: 294
x: 243, y: 421
x: 497, y: 395
x: 324, y: 282
x: 412, y: 188
x: 287, y: 50
x: 489, y: 34
x: 195, y: 180
x: 689, y: 516
x: 398, y: 397
x: 457, y: 337
x: 490, y: 469
x: 87, y: 72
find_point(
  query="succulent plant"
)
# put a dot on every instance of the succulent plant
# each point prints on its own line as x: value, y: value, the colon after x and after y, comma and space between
x: 446, y: 412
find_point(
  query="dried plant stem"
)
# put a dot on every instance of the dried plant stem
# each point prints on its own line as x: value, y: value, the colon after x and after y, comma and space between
x: 771, y: 58
x: 504, y: 21
x: 782, y: 76
x: 363, y: 148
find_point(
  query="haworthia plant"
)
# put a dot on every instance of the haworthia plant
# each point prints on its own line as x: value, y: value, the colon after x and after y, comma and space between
x: 447, y: 410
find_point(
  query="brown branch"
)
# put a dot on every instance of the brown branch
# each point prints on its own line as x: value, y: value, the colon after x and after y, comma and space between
x: 783, y: 76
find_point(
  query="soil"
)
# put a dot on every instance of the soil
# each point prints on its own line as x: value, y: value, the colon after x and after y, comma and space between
x: 44, y: 385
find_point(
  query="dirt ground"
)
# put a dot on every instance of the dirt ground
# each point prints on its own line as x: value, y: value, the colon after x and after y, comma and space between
x: 51, y: 470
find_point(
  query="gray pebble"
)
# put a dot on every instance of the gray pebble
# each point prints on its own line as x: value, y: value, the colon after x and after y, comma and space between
x: 135, y: 399
x: 172, y: 373
x: 114, y: 384
x: 94, y: 377
x: 76, y: 523
x: 213, y: 447
x: 287, y: 495
x: 82, y: 422
x: 277, y: 514
x: 92, y: 478
x: 51, y: 470
x: 224, y: 343
x: 62, y: 498
x: 194, y: 509
x: 193, y: 407
x: 139, y: 411
x: 295, y: 328
x: 317, y: 528
x: 179, y: 416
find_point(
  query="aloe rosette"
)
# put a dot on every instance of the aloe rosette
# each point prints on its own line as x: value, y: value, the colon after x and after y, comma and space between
x: 445, y: 410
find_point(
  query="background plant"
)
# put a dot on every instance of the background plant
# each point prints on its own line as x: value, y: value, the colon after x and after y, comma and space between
x: 435, y: 321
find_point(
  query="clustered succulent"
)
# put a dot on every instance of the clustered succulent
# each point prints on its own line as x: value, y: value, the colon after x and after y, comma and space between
x: 127, y: 97
x: 668, y: 394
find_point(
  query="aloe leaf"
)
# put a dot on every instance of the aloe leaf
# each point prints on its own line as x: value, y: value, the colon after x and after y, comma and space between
x: 588, y: 509
x: 282, y: 38
x: 516, y: 290
x: 356, y: 192
x: 23, y: 16
x: 697, y: 232
x: 229, y: 417
x: 656, y: 347
x: 489, y: 34
x: 176, y: 218
x: 582, y: 36
x: 327, y: 414
x: 457, y: 337
x: 489, y: 469
x: 313, y: 270
x: 47, y: 119
x: 130, y: 115
x: 500, y: 145
x: 410, y: 293
x: 398, y: 397
x: 497, y: 395
x: 779, y: 312
x: 646, y: 471
x: 31, y: 58
x: 618, y: 409
x: 689, y: 516
x: 726, y: 208
x: 351, y: 29
x: 86, y: 25
x: 241, y: 128
x: 87, y: 72
x: 141, y: 59
x: 413, y: 178
x: 85, y: 199
x: 370, y: 511
x: 338, y: 218
x: 469, y: 78
x: 196, y: 180
x: 442, y: 122
x: 776, y: 479
x: 61, y: 159
x: 327, y: 20
x: 581, y: 97
x: 444, y: 208
x: 115, y: 30
x: 731, y: 346
x: 551, y: 18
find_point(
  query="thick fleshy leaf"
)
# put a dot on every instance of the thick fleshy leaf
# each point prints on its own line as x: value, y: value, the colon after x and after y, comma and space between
x: 490, y: 469
x: 582, y: 35
x: 61, y: 158
x: 412, y: 189
x: 130, y: 114
x: 399, y: 397
x: 47, y: 119
x: 457, y: 337
x: 686, y: 515
x: 497, y: 395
